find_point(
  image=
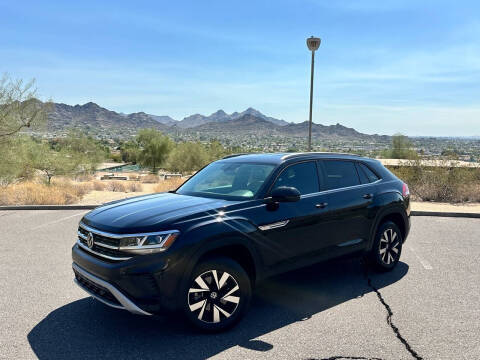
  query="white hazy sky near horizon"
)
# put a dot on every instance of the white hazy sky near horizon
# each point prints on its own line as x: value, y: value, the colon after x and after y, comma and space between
x: 383, y: 66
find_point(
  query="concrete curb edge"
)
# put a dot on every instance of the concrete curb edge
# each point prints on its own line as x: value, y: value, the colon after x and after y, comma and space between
x: 445, y: 214
x: 48, y: 207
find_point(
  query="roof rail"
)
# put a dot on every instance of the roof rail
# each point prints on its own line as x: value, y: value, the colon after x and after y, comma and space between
x: 234, y: 155
x: 288, y: 156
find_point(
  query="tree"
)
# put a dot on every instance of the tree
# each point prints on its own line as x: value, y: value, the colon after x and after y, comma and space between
x: 85, y: 153
x: 402, y: 148
x: 14, y: 163
x: 130, y: 151
x: 53, y: 163
x: 154, y: 148
x: 216, y: 150
x: 188, y: 157
x: 19, y: 107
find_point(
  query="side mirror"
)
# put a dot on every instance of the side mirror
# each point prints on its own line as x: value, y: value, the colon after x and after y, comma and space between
x: 285, y: 194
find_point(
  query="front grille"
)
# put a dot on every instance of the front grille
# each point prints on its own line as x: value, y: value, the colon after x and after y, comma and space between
x: 100, y: 238
x: 96, y: 289
x: 102, y: 245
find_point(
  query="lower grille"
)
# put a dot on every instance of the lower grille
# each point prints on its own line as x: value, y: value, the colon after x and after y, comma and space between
x: 98, y: 290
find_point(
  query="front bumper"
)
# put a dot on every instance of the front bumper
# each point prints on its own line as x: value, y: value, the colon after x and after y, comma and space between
x: 104, y: 291
x: 149, y: 282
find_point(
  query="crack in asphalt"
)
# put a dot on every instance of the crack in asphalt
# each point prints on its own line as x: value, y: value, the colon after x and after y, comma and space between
x: 395, y: 329
x: 349, y: 358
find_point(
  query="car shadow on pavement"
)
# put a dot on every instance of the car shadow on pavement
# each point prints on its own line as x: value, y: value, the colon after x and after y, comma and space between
x: 87, y: 329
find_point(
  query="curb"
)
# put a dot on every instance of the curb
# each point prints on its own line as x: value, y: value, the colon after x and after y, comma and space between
x: 90, y: 207
x: 445, y: 214
x: 48, y: 207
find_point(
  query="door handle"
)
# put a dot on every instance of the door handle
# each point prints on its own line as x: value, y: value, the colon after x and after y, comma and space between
x: 321, y: 205
x: 368, y: 196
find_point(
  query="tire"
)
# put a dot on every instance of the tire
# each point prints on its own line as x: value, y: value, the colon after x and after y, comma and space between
x: 387, y: 247
x: 217, y: 295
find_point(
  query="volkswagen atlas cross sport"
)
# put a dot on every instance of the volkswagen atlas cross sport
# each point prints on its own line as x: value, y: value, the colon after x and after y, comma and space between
x: 201, y: 248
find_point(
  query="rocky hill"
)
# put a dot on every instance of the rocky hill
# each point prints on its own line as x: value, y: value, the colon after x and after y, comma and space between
x: 95, y: 119
x: 92, y: 117
x: 221, y: 116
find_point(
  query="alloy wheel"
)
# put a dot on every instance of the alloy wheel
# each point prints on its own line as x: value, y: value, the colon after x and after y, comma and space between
x: 213, y: 296
x: 389, y: 246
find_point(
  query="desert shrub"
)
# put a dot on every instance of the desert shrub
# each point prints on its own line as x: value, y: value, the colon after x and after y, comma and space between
x: 84, y: 177
x: 134, y: 186
x: 34, y: 193
x: 443, y: 183
x: 98, y: 185
x: 75, y: 188
x: 170, y: 184
x: 116, y: 186
x: 150, y: 179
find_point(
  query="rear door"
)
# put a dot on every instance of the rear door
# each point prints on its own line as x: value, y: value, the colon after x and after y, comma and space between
x: 349, y: 203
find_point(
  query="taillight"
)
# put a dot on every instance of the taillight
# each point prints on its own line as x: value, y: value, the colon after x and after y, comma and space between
x: 405, y: 191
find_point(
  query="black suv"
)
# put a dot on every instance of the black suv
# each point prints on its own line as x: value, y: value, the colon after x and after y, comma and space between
x: 201, y: 249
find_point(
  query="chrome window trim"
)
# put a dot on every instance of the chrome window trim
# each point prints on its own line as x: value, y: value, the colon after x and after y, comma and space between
x: 339, y: 189
x: 86, y: 248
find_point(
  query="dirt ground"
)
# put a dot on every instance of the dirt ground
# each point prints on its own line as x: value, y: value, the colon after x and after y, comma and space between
x: 99, y: 197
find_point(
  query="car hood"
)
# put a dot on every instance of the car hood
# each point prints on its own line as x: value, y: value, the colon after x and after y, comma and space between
x: 150, y: 213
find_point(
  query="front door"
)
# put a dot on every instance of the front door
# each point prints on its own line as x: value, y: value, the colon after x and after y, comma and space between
x: 292, y: 230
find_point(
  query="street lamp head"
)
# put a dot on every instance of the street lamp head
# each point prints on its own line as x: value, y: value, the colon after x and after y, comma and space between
x: 313, y: 43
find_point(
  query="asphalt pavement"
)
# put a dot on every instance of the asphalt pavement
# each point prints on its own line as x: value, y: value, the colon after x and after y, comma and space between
x: 428, y: 307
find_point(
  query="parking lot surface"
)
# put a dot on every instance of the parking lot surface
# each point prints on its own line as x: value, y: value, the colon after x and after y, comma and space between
x: 428, y: 307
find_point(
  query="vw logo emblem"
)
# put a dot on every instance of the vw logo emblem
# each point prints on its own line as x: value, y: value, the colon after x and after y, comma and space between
x: 90, y: 241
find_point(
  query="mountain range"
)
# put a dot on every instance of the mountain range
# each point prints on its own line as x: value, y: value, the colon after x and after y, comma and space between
x: 96, y: 119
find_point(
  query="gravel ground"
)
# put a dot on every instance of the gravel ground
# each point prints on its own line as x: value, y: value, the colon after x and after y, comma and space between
x: 329, y: 311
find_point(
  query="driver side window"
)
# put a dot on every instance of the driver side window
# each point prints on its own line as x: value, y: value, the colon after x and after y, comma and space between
x: 302, y: 176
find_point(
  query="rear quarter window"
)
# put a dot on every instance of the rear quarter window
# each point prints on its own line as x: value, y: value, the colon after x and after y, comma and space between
x: 368, y: 173
x: 339, y: 174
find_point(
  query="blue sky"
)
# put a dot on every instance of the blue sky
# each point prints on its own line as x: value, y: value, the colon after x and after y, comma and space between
x: 383, y: 66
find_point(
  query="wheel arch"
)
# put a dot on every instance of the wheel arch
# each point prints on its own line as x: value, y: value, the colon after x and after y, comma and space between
x: 236, y: 248
x: 237, y: 252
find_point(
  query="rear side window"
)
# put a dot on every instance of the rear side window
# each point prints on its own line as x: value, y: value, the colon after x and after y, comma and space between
x: 339, y: 174
x: 302, y: 176
x: 370, y: 175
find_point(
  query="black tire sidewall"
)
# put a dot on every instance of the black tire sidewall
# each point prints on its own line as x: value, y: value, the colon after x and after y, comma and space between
x: 375, y: 256
x: 243, y: 280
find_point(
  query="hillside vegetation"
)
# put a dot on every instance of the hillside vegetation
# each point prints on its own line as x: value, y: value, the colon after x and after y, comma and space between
x: 62, y: 169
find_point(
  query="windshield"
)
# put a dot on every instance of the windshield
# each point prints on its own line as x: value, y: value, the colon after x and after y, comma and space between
x: 227, y: 180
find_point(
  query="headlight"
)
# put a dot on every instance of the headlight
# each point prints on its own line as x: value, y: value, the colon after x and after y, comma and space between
x: 141, y: 244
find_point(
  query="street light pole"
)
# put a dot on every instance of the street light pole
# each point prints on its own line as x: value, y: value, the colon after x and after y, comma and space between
x: 313, y: 44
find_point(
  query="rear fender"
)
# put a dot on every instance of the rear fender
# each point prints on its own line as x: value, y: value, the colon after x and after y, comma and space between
x: 389, y: 203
